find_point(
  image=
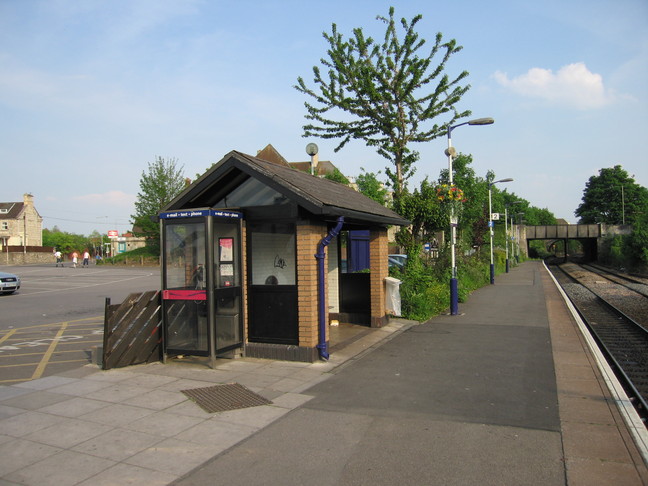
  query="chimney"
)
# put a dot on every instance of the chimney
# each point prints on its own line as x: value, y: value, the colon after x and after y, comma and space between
x: 28, y: 199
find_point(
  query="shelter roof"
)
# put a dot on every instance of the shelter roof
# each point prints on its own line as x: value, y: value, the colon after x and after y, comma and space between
x: 321, y: 197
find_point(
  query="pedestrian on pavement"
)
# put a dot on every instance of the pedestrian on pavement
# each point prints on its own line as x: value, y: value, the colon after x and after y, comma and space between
x: 75, y: 259
x: 59, y: 258
x: 86, y: 258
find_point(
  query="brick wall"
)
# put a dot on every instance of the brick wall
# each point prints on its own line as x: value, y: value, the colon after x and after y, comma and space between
x: 378, y: 251
x: 20, y: 258
x: 308, y: 237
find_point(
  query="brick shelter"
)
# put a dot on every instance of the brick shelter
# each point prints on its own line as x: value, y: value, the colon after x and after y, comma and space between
x: 256, y: 261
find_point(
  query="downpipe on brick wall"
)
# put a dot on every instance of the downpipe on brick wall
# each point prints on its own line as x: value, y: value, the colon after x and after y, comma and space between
x: 322, y: 345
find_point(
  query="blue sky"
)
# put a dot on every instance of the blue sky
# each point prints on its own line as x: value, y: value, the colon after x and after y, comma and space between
x: 92, y: 91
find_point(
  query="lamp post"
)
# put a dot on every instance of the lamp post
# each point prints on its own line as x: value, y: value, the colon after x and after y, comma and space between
x: 491, y: 225
x: 451, y: 152
x: 506, y: 231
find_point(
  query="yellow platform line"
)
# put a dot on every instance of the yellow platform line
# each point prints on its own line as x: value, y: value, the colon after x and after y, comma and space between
x: 40, y: 369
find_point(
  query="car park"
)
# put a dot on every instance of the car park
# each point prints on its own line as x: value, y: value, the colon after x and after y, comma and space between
x: 9, y: 283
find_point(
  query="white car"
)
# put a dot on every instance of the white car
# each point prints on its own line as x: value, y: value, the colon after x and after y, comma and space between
x: 9, y: 283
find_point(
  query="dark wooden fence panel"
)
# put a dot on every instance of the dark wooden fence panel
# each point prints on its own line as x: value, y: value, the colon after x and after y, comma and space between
x: 133, y: 331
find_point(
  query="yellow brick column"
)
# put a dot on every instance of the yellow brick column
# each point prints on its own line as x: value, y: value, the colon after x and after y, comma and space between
x: 378, y: 251
x: 308, y: 237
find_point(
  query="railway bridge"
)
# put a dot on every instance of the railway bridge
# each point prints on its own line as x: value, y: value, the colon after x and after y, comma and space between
x: 590, y: 236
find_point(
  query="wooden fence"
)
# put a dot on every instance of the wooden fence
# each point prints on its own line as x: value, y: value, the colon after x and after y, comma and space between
x: 133, y: 331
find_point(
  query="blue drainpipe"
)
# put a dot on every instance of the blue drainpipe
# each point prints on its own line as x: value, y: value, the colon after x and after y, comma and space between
x: 321, y: 301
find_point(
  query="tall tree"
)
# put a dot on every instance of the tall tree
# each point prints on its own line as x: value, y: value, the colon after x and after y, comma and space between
x: 387, y: 92
x: 162, y: 182
x: 612, y: 197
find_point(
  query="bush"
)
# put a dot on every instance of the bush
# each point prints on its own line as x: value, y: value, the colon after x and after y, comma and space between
x: 140, y: 256
x: 422, y: 296
x: 425, y: 288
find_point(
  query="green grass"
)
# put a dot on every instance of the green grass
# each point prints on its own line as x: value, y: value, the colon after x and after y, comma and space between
x: 140, y: 256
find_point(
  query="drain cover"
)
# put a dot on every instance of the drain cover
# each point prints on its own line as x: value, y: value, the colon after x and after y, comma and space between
x: 220, y: 398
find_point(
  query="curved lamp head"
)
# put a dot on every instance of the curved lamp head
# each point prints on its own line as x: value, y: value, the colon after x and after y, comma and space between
x: 508, y: 179
x: 481, y: 121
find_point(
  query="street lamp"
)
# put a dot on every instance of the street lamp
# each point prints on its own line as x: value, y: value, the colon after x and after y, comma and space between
x: 491, y: 225
x: 506, y: 231
x: 451, y: 152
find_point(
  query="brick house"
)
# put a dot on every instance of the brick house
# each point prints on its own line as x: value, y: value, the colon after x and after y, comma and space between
x: 20, y: 223
x: 254, y: 261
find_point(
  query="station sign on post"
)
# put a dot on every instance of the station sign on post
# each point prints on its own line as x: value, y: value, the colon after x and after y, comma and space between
x: 113, y: 233
x: 495, y: 216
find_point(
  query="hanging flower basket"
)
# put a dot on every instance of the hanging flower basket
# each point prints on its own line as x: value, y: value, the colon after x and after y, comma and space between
x: 453, y: 198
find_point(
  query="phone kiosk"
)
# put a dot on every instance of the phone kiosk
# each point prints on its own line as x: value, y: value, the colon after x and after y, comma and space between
x: 201, y: 282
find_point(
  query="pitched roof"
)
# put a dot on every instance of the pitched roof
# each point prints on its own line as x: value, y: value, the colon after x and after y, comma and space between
x: 320, y: 197
x: 322, y: 168
x: 270, y: 154
x: 10, y: 210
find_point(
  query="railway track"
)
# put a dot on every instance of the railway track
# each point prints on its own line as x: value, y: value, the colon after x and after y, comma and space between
x: 616, y: 313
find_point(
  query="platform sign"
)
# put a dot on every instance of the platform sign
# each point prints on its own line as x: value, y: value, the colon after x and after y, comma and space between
x: 196, y: 213
x: 495, y: 216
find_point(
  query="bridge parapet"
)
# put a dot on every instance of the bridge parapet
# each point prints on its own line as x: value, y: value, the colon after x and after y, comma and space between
x: 563, y: 231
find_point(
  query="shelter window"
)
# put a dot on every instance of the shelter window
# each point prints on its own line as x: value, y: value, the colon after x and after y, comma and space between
x: 185, y: 255
x: 252, y: 193
x: 273, y: 254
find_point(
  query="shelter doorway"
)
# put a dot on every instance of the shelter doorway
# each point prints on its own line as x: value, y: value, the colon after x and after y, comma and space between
x: 273, y: 316
x: 201, y: 282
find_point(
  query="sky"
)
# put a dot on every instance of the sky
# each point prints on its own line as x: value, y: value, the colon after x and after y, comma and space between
x: 93, y: 91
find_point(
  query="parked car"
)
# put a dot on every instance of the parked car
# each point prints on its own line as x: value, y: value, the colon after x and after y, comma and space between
x: 397, y: 261
x: 9, y: 283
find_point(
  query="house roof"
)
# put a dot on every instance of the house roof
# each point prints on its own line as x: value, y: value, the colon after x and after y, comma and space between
x: 321, y: 197
x: 11, y: 210
x: 271, y: 154
x: 322, y: 168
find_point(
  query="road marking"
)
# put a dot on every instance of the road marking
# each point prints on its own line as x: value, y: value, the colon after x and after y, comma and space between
x: 23, y: 343
x: 7, y: 336
x: 53, y: 324
x: 22, y: 294
x: 34, y: 364
x: 59, y: 351
x: 48, y: 354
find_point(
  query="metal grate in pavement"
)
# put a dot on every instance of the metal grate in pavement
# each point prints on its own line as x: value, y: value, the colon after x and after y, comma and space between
x: 221, y: 398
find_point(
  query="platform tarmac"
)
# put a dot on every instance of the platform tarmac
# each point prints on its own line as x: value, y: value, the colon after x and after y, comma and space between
x: 506, y: 393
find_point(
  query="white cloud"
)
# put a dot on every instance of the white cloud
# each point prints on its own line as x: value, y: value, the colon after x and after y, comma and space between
x: 112, y: 198
x: 573, y: 85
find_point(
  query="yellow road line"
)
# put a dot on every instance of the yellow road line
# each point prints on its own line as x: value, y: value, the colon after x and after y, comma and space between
x: 60, y: 351
x: 7, y: 336
x: 53, y: 363
x: 77, y: 321
x: 14, y: 380
x: 48, y: 354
